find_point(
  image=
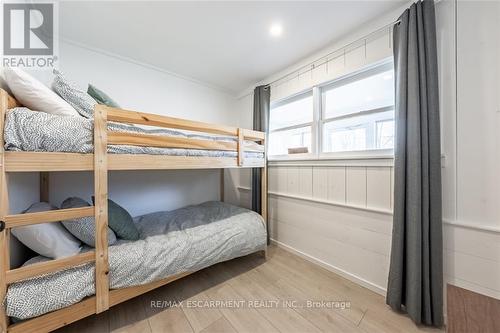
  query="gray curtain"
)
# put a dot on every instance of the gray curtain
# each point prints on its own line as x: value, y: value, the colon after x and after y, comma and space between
x: 415, y: 283
x: 261, y: 105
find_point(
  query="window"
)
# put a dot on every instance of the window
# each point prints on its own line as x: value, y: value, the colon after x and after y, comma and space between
x: 290, y: 125
x: 355, y: 113
x: 358, y: 112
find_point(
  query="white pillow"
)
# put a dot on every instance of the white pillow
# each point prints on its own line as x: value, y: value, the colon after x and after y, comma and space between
x: 50, y: 240
x: 35, y: 95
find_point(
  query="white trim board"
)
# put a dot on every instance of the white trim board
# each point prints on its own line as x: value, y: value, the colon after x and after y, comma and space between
x: 349, y: 276
x: 458, y: 224
x: 325, y: 202
x: 474, y: 226
x: 331, y: 203
x: 324, y: 162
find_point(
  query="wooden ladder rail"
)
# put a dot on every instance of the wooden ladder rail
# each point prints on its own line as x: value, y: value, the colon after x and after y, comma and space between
x: 19, y: 220
x: 4, y: 210
x: 99, y: 211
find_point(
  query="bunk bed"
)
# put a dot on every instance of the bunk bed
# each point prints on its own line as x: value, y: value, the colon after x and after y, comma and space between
x: 247, y: 149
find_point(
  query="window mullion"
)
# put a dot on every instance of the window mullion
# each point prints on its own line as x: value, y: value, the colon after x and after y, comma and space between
x: 316, y: 128
x: 290, y: 127
x: 360, y: 113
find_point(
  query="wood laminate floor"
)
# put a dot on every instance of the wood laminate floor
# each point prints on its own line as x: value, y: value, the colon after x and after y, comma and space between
x: 251, y: 294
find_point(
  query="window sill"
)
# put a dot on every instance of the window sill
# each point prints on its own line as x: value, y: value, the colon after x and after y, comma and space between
x: 383, y: 154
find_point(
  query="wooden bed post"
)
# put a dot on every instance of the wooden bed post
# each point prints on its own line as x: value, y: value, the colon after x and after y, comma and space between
x: 4, y: 210
x: 240, y: 149
x: 44, y: 186
x: 263, y: 193
x: 101, y: 209
x: 222, y: 185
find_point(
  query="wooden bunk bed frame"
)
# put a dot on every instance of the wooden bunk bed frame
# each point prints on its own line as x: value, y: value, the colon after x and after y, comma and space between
x: 100, y: 163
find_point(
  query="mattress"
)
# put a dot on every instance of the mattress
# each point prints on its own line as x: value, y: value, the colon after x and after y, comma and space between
x: 186, y: 239
x: 27, y: 130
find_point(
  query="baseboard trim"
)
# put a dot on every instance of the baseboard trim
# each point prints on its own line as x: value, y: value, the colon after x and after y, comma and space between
x: 349, y: 276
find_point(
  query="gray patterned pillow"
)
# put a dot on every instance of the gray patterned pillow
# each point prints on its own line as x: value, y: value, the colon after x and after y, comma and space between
x: 84, y: 227
x: 77, y: 98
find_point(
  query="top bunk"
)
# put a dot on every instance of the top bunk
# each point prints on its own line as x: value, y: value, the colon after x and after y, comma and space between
x: 214, y: 146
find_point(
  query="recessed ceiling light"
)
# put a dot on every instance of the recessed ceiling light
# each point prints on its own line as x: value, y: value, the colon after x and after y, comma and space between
x: 276, y: 30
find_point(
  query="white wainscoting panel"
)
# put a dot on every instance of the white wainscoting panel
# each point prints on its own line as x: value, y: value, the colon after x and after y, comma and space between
x: 356, y: 186
x: 353, y: 243
x: 336, y: 184
x: 472, y: 258
x: 336, y: 215
x: 320, y: 186
x: 272, y: 179
x: 364, y: 187
x: 292, y: 180
x: 378, y: 187
x: 306, y: 182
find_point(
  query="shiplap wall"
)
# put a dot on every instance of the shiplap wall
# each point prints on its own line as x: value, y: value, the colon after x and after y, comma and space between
x: 336, y: 215
x: 362, y: 187
x: 370, y: 50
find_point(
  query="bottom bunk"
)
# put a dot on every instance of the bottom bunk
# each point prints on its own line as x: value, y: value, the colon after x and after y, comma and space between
x: 171, y: 245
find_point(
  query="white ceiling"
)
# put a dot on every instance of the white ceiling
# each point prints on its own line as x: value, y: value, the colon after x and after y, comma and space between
x: 225, y: 44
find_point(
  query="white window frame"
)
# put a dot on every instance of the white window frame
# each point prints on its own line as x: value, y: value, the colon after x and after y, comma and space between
x: 319, y: 118
x: 312, y: 154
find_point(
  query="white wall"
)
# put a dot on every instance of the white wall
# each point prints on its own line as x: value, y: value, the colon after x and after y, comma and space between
x: 139, y: 88
x: 136, y: 87
x: 236, y: 178
x: 471, y: 125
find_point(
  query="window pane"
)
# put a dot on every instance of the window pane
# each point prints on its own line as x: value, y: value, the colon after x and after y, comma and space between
x: 280, y: 141
x: 385, y: 134
x: 299, y: 111
x: 372, y: 131
x: 365, y: 94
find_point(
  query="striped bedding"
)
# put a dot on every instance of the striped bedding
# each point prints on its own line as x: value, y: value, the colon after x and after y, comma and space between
x: 27, y: 130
